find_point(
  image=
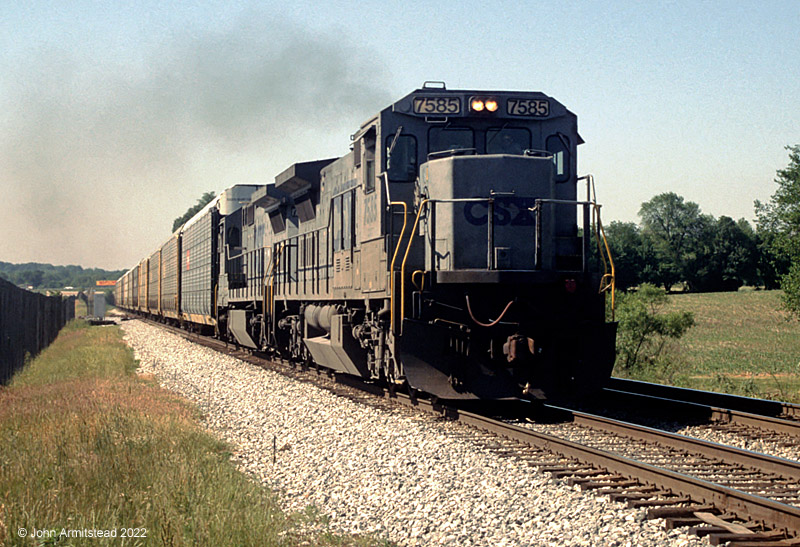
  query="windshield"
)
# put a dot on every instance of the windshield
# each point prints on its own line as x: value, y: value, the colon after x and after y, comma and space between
x: 401, y: 161
x: 508, y: 140
x: 450, y: 138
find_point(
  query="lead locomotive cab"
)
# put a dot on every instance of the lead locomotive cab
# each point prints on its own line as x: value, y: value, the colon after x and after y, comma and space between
x: 503, y: 298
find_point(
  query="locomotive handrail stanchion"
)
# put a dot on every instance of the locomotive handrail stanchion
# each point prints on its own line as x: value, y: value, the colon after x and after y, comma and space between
x: 490, y: 235
x: 264, y: 300
x: 270, y: 287
x: 276, y: 256
x: 537, y: 257
x: 421, y: 286
x: 609, y: 280
x: 490, y: 264
x: 586, y: 236
x: 591, y: 197
x: 432, y: 232
x: 417, y: 303
x: 391, y: 204
x: 267, y: 294
x: 537, y: 208
x: 391, y: 268
x: 422, y: 205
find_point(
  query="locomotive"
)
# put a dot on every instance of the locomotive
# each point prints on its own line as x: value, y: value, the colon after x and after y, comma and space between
x: 448, y: 252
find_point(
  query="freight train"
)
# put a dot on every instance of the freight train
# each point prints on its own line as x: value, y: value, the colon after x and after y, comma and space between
x: 448, y: 252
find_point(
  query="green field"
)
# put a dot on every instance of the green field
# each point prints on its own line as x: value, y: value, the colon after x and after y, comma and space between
x: 85, y: 444
x: 741, y: 343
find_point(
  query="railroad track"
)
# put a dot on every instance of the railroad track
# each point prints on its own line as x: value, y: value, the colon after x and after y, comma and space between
x: 762, y: 407
x: 755, y: 419
x: 728, y: 494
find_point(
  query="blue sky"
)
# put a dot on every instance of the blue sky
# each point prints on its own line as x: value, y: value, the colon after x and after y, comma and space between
x: 117, y: 116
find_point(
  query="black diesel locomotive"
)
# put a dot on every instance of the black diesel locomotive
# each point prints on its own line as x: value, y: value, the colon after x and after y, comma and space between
x: 449, y: 250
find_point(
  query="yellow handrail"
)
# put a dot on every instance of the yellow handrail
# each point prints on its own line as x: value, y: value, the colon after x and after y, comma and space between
x: 422, y: 205
x: 396, y: 249
x: 264, y: 301
x: 609, y: 280
x: 269, y: 282
x: 420, y: 287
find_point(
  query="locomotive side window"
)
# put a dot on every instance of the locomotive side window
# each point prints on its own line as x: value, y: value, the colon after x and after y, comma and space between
x: 248, y: 215
x: 343, y: 212
x: 558, y: 145
x: 347, y: 220
x: 441, y: 139
x: 507, y: 140
x: 401, y: 161
x: 369, y: 158
x: 337, y: 223
x: 369, y: 181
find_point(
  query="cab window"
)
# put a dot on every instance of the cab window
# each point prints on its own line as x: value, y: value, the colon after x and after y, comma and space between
x: 441, y: 139
x: 558, y: 145
x: 401, y: 161
x: 369, y: 160
x: 508, y: 140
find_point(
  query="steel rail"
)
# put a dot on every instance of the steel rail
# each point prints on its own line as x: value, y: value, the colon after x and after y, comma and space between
x: 627, y: 399
x: 764, y: 407
x: 789, y: 469
x: 769, y: 423
x: 746, y: 506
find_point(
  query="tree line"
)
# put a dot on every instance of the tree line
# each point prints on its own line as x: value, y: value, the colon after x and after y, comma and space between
x: 38, y: 276
x: 675, y: 244
x: 48, y: 276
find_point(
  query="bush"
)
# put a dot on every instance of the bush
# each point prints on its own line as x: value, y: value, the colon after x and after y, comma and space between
x: 645, y: 328
x: 790, y: 283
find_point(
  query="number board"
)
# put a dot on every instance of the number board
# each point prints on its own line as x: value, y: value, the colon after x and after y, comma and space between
x: 528, y: 107
x: 437, y: 105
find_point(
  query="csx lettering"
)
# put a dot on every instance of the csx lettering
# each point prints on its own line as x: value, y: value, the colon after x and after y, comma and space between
x: 370, y: 209
x: 342, y: 186
x: 513, y: 211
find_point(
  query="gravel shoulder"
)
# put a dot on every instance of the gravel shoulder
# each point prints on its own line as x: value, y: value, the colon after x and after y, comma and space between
x: 399, y: 477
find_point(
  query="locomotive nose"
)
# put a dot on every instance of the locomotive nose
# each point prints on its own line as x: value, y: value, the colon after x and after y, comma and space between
x: 483, y: 216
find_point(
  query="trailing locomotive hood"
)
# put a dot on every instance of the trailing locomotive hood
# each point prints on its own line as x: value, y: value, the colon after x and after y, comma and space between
x: 509, y: 185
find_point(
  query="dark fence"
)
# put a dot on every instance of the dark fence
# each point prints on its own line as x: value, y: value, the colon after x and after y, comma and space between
x: 28, y: 323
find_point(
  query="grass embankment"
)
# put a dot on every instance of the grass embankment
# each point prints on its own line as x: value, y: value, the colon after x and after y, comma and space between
x: 741, y: 343
x: 87, y: 445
